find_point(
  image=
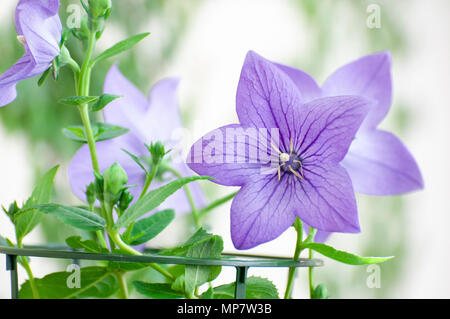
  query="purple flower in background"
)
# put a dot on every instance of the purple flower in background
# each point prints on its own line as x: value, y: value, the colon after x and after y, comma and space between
x: 39, y: 30
x: 313, y: 137
x: 377, y: 161
x: 149, y: 120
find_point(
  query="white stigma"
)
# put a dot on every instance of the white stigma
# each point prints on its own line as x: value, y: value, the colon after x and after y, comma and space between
x: 21, y: 39
x: 284, y: 157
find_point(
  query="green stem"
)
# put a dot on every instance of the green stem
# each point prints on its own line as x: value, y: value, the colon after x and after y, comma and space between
x: 115, y: 236
x: 310, y: 276
x: 83, y: 90
x: 194, y: 211
x: 101, y: 239
x: 26, y: 266
x: 148, y: 180
x: 298, y: 249
x: 122, y: 284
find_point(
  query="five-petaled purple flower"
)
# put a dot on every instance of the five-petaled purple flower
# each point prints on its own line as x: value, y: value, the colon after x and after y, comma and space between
x: 39, y: 29
x: 149, y: 120
x: 308, y: 181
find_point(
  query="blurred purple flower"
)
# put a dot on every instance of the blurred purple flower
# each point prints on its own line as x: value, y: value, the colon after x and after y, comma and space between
x: 39, y: 29
x: 307, y: 181
x: 378, y: 162
x: 149, y: 120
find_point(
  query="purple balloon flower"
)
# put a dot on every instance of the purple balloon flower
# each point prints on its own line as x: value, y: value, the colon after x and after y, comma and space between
x: 39, y: 29
x: 149, y: 120
x: 285, y: 155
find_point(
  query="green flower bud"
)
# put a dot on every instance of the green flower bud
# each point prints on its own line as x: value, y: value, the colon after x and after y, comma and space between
x: 157, y: 151
x: 115, y: 179
x: 90, y: 194
x: 99, y: 186
x: 99, y: 8
x: 321, y: 292
x: 125, y: 200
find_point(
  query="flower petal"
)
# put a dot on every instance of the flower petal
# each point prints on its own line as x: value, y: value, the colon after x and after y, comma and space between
x: 369, y: 76
x: 380, y: 164
x: 326, y: 127
x: 231, y: 154
x: 163, y: 117
x: 39, y: 23
x: 261, y: 211
x: 130, y: 108
x: 23, y: 68
x: 266, y: 97
x: 325, y: 198
x: 307, y: 86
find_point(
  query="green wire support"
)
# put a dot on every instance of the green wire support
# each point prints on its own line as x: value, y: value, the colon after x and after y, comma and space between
x: 241, y: 262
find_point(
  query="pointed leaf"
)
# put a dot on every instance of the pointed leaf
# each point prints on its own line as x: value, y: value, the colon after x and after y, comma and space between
x: 87, y: 245
x: 102, y: 101
x: 196, y: 275
x: 147, y: 228
x: 342, y: 256
x: 25, y: 223
x: 199, y: 236
x: 120, y: 47
x: 105, y: 131
x: 78, y: 100
x: 74, y: 216
x: 153, y: 199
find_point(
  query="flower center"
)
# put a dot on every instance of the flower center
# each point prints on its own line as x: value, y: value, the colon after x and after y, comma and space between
x: 289, y: 161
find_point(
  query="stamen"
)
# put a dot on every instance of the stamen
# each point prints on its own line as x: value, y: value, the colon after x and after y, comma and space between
x: 295, y: 173
x: 275, y: 148
x: 291, y: 146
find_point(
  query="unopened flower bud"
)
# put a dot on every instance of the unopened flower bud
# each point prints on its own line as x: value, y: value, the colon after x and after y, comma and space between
x: 157, y: 151
x: 321, y: 292
x: 125, y: 200
x: 99, y: 8
x: 90, y: 194
x: 115, y: 179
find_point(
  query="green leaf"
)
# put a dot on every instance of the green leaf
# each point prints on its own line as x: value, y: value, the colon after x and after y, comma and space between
x: 25, y: 223
x: 101, y: 131
x: 196, y: 275
x: 156, y: 290
x: 96, y: 282
x: 343, y: 256
x: 120, y: 47
x: 147, y: 228
x: 216, y: 203
x: 102, y: 101
x: 79, y: 100
x: 137, y: 160
x: 105, y: 131
x: 255, y: 288
x: 3, y: 241
x: 87, y: 245
x: 75, y: 133
x: 153, y: 199
x: 74, y: 216
x: 199, y: 236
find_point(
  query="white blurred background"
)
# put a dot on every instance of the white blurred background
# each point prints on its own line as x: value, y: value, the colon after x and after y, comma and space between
x: 208, y: 59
